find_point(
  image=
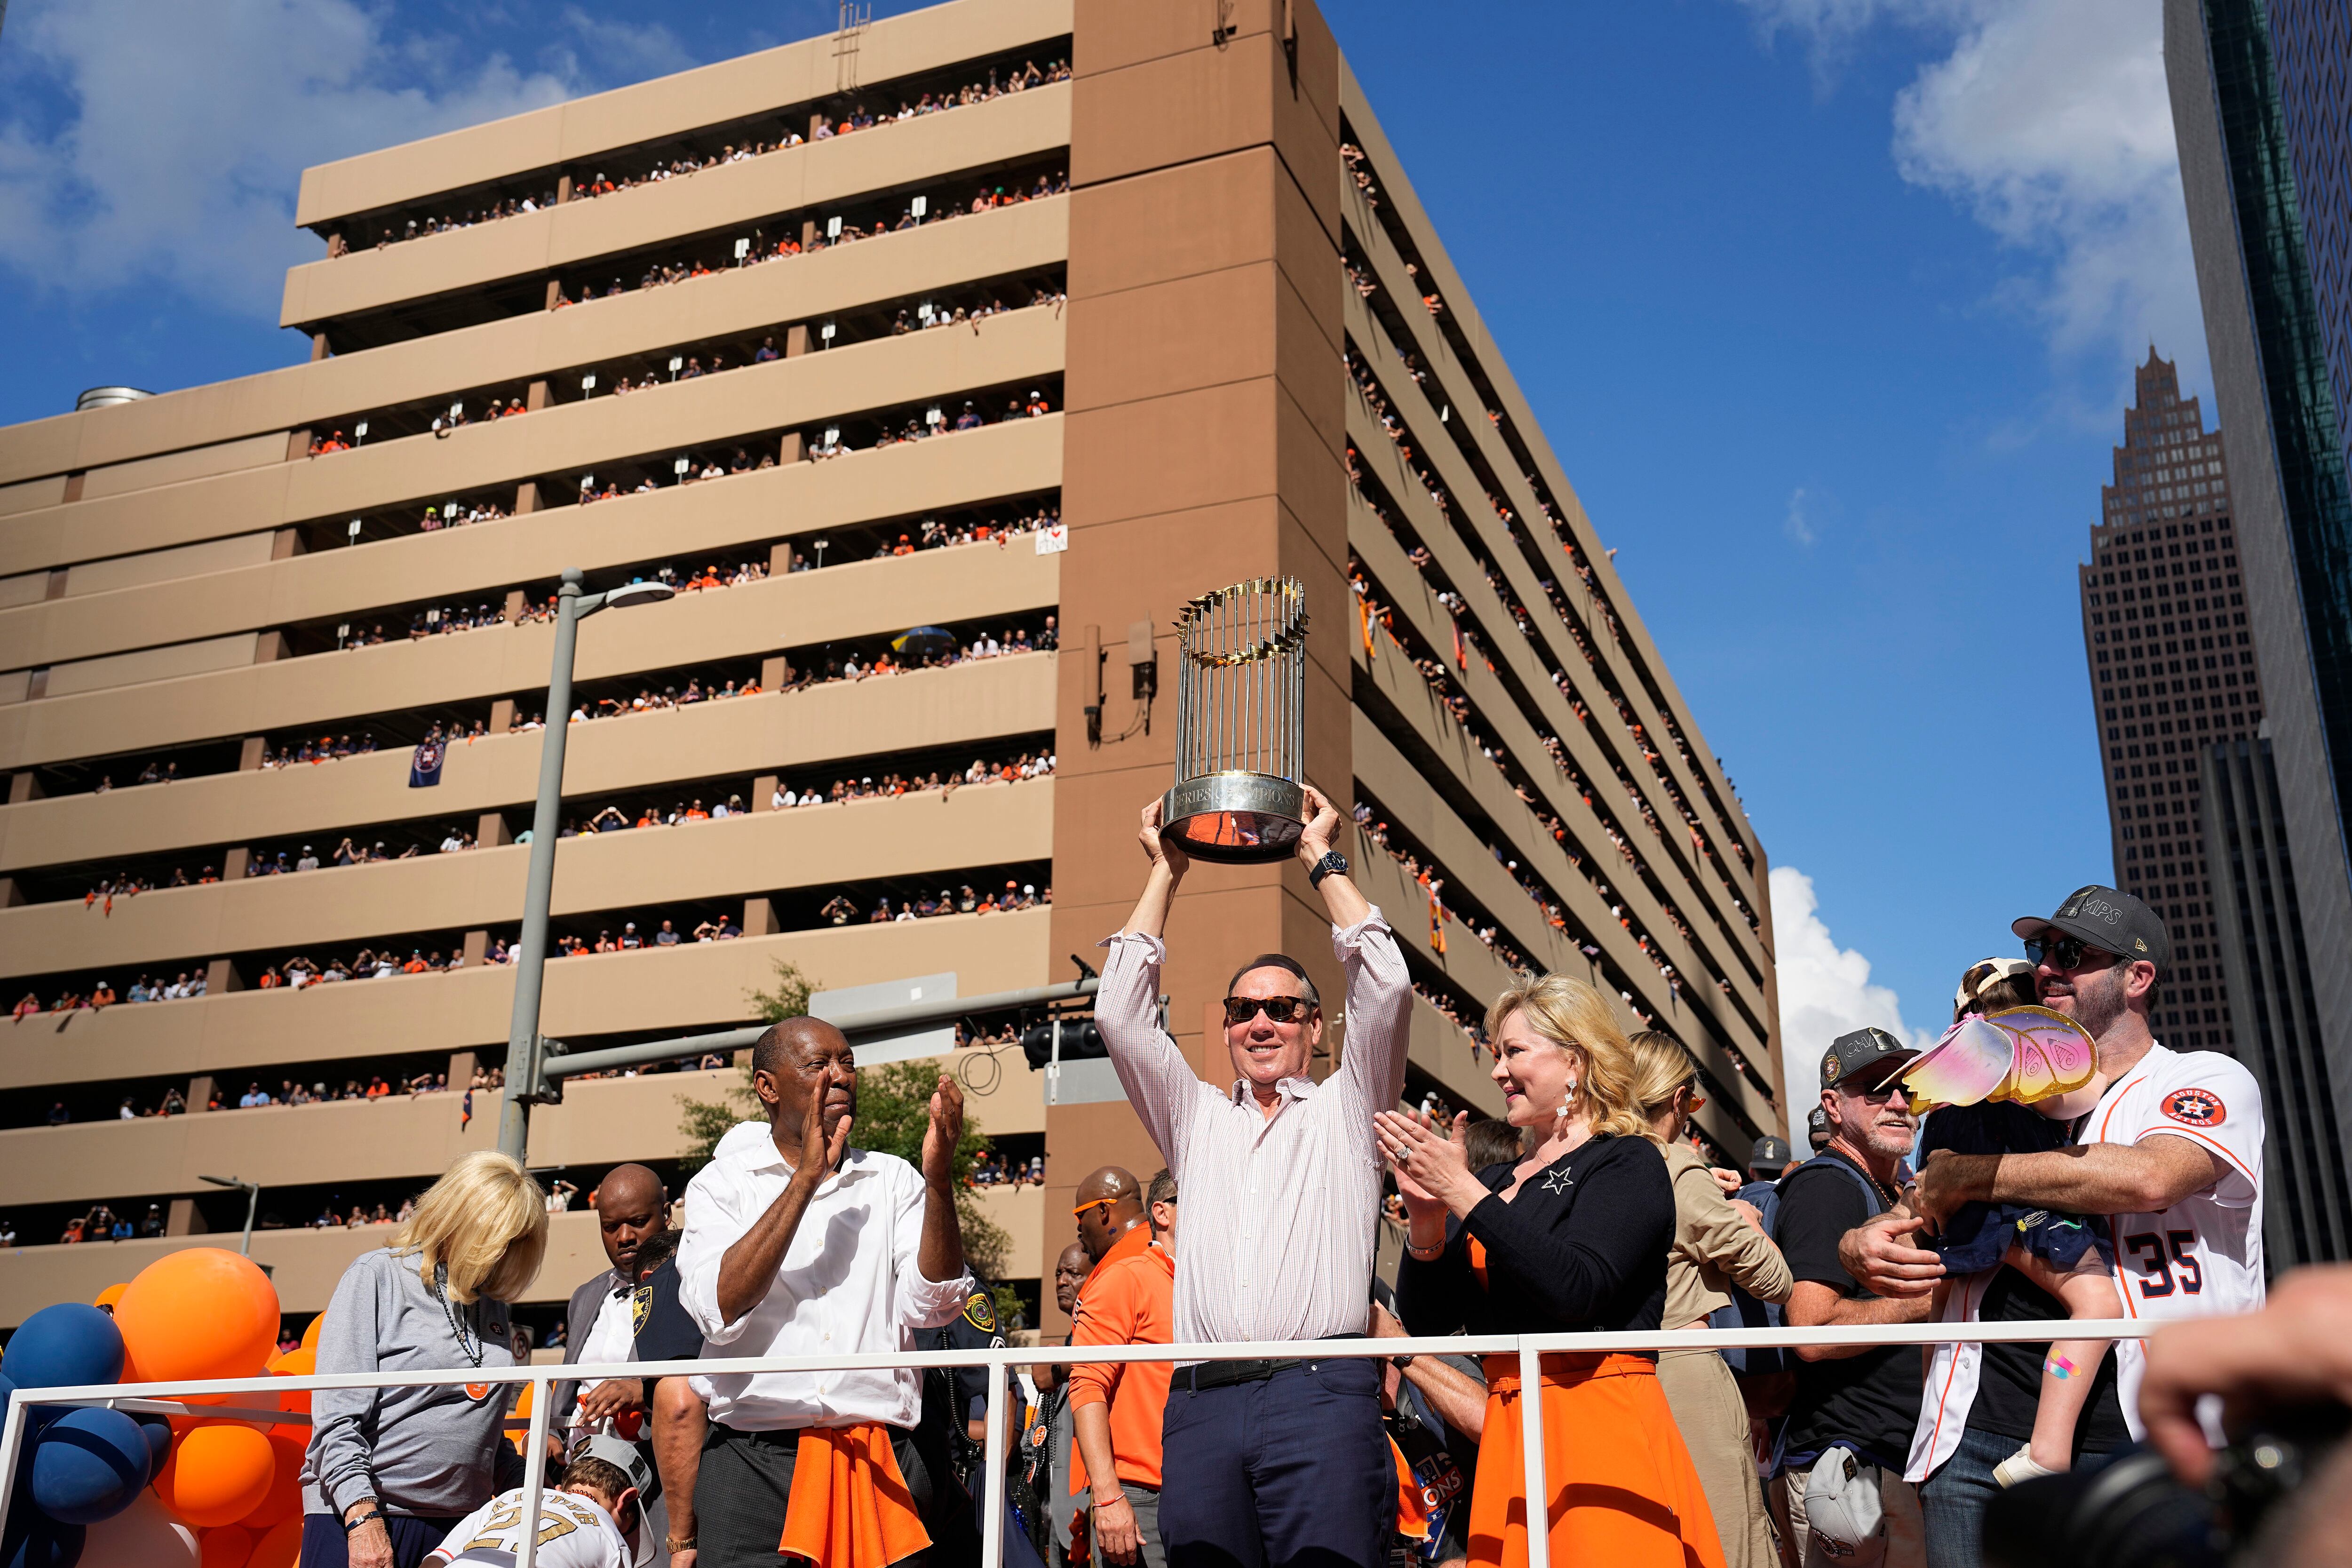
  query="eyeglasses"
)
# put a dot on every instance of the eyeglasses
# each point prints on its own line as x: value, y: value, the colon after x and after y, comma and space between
x: 1278, y: 1009
x: 1098, y: 1203
x: 2061, y: 952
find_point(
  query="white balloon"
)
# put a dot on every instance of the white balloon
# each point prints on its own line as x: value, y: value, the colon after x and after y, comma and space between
x: 144, y: 1535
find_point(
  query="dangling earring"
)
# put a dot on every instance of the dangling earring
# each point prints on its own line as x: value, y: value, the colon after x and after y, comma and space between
x: 1568, y: 1103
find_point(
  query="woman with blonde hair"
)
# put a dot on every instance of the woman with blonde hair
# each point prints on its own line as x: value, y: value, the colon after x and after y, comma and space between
x: 1572, y: 1237
x: 1714, y: 1242
x: 391, y: 1470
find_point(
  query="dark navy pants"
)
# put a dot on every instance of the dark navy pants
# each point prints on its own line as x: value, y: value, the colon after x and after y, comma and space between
x: 324, y: 1544
x: 1292, y: 1472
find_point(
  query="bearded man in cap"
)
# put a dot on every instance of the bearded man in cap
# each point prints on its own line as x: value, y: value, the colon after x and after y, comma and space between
x: 2172, y: 1154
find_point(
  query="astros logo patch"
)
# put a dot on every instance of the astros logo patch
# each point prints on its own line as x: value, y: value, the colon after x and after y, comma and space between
x: 2194, y: 1107
x: 1829, y: 1067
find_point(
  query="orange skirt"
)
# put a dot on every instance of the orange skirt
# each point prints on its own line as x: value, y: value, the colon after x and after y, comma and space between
x: 1629, y: 1497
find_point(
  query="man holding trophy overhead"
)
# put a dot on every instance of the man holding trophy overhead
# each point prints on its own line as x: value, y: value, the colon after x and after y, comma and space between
x: 1265, y: 1462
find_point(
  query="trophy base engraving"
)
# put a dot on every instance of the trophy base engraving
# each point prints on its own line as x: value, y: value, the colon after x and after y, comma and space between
x: 1235, y: 819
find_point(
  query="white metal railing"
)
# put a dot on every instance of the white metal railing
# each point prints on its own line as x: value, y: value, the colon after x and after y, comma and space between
x: 169, y: 1399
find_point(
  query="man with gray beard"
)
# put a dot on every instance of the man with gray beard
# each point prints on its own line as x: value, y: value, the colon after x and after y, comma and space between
x: 1850, y: 1421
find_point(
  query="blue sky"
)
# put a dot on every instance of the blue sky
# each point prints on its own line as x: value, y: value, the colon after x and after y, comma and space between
x: 1828, y: 306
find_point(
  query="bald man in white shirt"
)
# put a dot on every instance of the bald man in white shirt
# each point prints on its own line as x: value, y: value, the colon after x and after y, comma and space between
x: 801, y: 1244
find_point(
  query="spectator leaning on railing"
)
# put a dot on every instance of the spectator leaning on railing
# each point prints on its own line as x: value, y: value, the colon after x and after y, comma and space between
x: 1849, y: 1418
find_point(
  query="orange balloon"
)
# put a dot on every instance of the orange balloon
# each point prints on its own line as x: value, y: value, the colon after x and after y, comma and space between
x: 522, y: 1440
x: 281, y: 1548
x: 295, y: 1363
x: 227, y: 1547
x: 311, y: 1334
x: 218, y: 1474
x: 284, y: 1500
x: 204, y: 1312
x: 110, y: 1296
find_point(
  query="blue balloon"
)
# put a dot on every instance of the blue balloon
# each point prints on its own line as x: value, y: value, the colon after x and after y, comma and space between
x: 34, y: 1541
x: 158, y: 1444
x: 90, y: 1464
x: 65, y: 1346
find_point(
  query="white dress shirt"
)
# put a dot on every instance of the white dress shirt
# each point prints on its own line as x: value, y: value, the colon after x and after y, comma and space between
x: 610, y: 1340
x: 1279, y: 1212
x: 850, y: 1284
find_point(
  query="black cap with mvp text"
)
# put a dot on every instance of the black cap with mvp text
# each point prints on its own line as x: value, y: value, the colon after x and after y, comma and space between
x: 1860, y: 1050
x: 2111, y: 922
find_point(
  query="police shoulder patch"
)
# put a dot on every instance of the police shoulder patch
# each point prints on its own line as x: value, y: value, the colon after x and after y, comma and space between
x: 980, y: 1313
x: 641, y: 1304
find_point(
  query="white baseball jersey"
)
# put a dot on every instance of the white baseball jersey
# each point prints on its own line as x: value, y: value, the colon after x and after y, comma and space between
x: 2203, y: 1258
x: 574, y: 1532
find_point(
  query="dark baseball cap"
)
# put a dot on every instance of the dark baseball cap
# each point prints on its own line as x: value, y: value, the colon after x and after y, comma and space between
x: 1860, y: 1051
x: 1768, y: 1152
x: 2108, y: 920
x: 1817, y: 1126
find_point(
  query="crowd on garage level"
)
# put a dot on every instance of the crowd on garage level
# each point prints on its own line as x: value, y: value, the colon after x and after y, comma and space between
x: 590, y: 186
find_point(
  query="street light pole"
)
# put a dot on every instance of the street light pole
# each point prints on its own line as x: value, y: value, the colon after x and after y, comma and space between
x: 523, y: 1043
x: 252, y: 1190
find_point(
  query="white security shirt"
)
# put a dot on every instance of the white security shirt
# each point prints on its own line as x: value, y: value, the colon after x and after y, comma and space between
x: 2201, y: 1257
x: 610, y: 1340
x: 851, y: 1284
x: 574, y: 1532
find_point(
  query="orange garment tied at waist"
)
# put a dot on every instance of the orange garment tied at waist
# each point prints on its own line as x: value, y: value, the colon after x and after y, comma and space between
x: 850, y: 1507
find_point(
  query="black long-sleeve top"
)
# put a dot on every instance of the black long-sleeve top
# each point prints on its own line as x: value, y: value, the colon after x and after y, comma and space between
x: 1582, y: 1246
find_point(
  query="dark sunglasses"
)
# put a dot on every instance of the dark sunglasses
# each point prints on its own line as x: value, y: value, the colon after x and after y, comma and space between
x: 1278, y: 1009
x: 2062, y: 953
x: 1885, y: 1091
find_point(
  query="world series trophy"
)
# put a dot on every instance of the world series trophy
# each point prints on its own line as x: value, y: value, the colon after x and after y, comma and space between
x: 1241, y: 688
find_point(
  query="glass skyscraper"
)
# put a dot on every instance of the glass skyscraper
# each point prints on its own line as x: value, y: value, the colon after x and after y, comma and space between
x: 2259, y: 105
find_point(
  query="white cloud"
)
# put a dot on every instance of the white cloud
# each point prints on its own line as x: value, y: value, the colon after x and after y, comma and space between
x: 161, y: 145
x: 1800, y: 523
x: 649, y: 47
x: 2048, y: 121
x: 1825, y: 992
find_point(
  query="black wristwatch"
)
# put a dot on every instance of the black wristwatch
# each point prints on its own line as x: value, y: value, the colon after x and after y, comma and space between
x: 1332, y: 861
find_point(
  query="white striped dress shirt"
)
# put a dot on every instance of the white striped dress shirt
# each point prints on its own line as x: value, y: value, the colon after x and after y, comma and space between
x: 1280, y: 1212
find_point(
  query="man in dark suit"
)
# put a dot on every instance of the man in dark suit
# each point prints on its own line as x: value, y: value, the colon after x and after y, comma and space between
x: 632, y: 1208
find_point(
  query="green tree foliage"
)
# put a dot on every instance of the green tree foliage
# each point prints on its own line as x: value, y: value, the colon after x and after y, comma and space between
x: 893, y: 1111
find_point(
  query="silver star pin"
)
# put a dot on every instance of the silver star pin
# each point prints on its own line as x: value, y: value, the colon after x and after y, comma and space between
x: 1558, y: 1180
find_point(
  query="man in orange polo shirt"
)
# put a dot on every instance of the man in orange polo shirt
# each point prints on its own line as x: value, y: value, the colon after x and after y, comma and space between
x: 1116, y: 1409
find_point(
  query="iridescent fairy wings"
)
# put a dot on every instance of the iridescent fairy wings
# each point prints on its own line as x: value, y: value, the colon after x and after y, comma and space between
x: 2023, y: 1054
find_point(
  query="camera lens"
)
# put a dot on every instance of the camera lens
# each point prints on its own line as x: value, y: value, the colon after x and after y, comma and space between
x: 2127, y: 1514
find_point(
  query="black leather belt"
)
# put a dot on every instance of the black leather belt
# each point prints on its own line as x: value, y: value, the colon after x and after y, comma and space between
x: 1208, y: 1375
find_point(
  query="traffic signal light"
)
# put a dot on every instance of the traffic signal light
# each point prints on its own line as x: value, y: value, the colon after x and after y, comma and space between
x: 1080, y: 1041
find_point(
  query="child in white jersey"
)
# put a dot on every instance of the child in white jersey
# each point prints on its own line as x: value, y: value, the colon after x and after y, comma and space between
x: 578, y: 1524
x: 2064, y: 1254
